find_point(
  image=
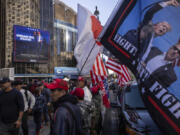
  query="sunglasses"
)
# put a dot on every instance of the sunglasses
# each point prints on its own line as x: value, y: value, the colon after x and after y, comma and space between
x: 176, y: 49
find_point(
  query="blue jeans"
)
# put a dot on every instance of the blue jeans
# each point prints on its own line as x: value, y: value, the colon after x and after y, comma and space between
x: 38, y: 120
x: 45, y: 113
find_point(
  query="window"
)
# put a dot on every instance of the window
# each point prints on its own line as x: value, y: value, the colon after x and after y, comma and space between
x: 69, y: 39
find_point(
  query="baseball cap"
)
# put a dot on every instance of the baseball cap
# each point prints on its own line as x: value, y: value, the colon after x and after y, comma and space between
x: 58, y: 84
x: 79, y: 92
x: 4, y: 80
x: 94, y: 89
x: 80, y: 78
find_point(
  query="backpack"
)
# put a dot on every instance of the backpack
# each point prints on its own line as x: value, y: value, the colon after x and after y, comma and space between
x: 27, y: 99
x: 79, y: 129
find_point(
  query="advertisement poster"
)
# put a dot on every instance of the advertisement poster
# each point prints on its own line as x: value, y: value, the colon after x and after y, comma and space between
x: 145, y: 35
x: 30, y: 45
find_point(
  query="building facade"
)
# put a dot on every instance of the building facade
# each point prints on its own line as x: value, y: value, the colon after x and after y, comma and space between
x: 24, y: 13
x: 56, y: 18
x: 2, y: 32
x: 46, y: 24
x: 65, y: 32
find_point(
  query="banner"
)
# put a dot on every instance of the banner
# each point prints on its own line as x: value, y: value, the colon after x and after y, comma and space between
x: 145, y: 35
x: 30, y: 45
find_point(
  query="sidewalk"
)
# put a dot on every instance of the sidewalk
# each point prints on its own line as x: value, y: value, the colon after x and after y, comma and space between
x: 44, y: 131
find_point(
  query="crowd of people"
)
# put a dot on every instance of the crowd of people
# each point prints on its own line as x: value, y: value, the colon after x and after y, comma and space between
x: 67, y: 107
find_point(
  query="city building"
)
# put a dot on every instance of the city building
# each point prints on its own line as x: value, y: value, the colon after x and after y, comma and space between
x: 46, y: 24
x: 65, y: 33
x: 36, y: 14
x: 2, y: 32
x: 23, y: 13
x: 47, y: 15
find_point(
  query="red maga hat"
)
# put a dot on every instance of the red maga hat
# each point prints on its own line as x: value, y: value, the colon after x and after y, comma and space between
x: 79, y: 92
x: 80, y: 78
x: 58, y: 84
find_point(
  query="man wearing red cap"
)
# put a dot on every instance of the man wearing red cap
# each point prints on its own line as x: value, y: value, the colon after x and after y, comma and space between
x: 82, y: 84
x: 87, y: 111
x: 67, y: 116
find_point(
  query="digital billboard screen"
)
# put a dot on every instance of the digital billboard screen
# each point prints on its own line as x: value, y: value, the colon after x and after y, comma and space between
x: 30, y: 45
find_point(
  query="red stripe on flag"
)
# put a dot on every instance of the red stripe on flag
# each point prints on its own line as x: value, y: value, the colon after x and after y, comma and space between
x: 114, y: 66
x: 121, y: 70
x: 98, y: 65
x: 92, y: 77
x: 126, y: 73
x: 113, y: 63
x: 103, y: 68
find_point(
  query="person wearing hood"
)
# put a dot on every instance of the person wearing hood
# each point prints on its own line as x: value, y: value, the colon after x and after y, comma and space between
x: 67, y: 116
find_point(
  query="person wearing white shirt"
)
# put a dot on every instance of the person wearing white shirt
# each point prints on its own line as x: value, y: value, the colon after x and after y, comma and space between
x: 87, y: 92
x: 160, y: 65
x: 29, y: 102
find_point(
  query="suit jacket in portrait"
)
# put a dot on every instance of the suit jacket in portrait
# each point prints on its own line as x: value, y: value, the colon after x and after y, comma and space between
x: 145, y: 27
x: 165, y: 75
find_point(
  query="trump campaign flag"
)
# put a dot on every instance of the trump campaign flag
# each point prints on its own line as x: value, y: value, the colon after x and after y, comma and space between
x: 144, y: 35
x: 87, y: 46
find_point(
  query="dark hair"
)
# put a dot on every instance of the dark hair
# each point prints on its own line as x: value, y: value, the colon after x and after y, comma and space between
x: 80, y: 98
x: 85, y: 82
x: 37, y: 91
x: 17, y: 82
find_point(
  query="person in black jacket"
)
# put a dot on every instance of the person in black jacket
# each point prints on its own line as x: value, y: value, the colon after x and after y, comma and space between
x: 46, y: 93
x: 160, y: 65
x: 67, y: 116
x: 11, y: 108
x: 142, y: 37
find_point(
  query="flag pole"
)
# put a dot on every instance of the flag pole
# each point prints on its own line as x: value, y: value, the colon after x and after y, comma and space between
x: 87, y: 58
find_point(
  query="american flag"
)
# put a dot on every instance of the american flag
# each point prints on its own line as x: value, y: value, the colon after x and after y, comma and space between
x: 113, y: 65
x: 122, y: 71
x: 98, y: 72
x: 99, y: 76
x: 99, y: 67
x: 96, y: 79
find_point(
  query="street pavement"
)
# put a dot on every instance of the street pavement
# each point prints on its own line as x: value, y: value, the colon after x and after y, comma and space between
x: 44, y: 131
